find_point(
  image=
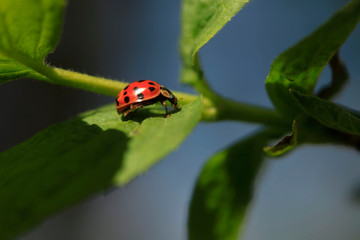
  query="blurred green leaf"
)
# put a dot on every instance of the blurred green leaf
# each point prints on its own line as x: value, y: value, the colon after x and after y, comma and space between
x: 29, y: 30
x: 328, y: 113
x: 300, y: 66
x: 200, y: 21
x: 224, y: 189
x: 70, y: 161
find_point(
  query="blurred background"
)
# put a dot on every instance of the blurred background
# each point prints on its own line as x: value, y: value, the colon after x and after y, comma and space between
x: 307, y: 194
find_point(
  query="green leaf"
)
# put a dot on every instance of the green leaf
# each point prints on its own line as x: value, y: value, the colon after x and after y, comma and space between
x: 200, y: 21
x: 224, y: 189
x: 300, y: 66
x: 29, y: 30
x: 328, y: 113
x: 70, y: 161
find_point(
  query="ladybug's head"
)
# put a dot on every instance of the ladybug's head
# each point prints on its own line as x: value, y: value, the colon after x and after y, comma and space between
x: 174, y: 101
x: 169, y: 96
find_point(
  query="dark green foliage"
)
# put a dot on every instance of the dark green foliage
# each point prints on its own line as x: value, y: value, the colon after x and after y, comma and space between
x: 299, y: 67
x: 70, y: 161
x: 328, y: 114
x: 224, y: 189
x: 56, y: 168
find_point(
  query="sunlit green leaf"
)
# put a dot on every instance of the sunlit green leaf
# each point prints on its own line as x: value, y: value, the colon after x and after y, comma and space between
x: 200, y: 21
x: 70, y: 161
x: 29, y: 30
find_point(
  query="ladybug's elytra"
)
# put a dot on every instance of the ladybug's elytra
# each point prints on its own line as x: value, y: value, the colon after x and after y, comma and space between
x: 142, y: 93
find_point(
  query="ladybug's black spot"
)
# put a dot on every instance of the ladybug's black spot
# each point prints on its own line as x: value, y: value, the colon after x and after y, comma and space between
x: 125, y: 93
x: 136, y: 88
x: 151, y: 89
x: 140, y: 96
x: 126, y: 87
x: 141, y: 80
x: 126, y: 99
x: 117, y: 102
x: 151, y: 83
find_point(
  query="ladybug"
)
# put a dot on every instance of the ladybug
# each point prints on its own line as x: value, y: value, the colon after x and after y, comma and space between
x: 142, y: 93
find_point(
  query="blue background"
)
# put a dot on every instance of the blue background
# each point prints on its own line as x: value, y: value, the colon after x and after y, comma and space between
x: 307, y: 194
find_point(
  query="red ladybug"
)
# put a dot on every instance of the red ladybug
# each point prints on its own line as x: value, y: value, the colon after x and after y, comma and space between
x: 142, y: 93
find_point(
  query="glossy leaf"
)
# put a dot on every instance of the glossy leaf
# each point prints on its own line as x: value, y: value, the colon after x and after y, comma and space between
x: 328, y: 113
x: 29, y: 30
x: 299, y: 67
x: 224, y: 189
x: 70, y: 161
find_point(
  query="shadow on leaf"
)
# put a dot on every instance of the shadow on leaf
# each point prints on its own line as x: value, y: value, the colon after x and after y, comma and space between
x: 54, y: 169
x: 144, y: 113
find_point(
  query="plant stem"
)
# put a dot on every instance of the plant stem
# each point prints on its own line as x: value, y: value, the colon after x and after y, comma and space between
x: 231, y: 110
x: 84, y: 81
x: 96, y: 84
x: 340, y: 76
x: 215, y: 108
x: 225, y: 110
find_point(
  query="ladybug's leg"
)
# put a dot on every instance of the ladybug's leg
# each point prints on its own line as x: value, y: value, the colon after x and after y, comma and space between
x: 127, y: 112
x: 174, y: 106
x: 133, y: 108
x: 164, y: 104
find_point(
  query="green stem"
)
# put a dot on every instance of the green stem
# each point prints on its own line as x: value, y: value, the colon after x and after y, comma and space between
x: 96, y: 84
x: 231, y: 110
x: 83, y: 81
x: 215, y: 108
x: 225, y: 110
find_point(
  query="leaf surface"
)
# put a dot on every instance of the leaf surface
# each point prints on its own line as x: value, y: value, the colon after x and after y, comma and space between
x: 29, y: 31
x: 70, y: 161
x: 299, y: 67
x: 200, y: 21
x: 327, y: 113
x: 224, y: 189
